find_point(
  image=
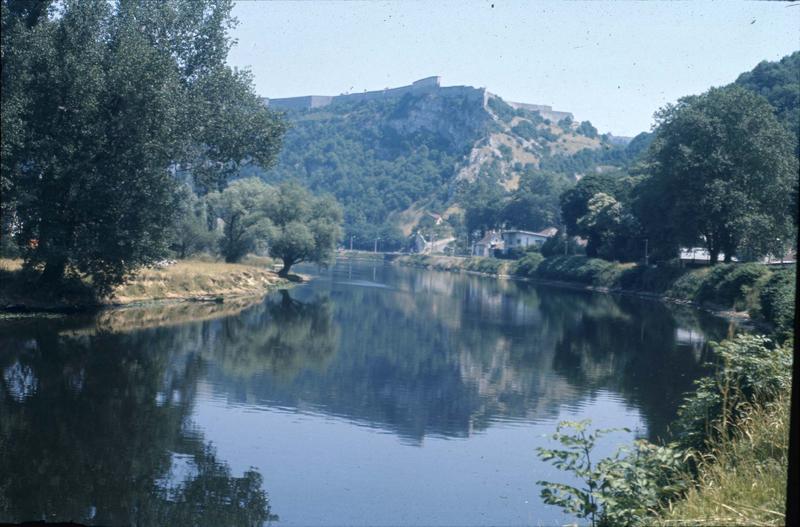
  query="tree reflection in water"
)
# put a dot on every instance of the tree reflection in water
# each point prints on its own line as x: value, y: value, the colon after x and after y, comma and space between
x: 95, y: 424
x: 96, y: 415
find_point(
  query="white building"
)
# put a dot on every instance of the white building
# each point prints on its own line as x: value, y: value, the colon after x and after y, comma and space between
x: 518, y: 239
x: 699, y: 255
x: 487, y: 245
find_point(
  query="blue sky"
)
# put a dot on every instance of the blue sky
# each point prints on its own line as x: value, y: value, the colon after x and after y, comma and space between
x: 611, y: 63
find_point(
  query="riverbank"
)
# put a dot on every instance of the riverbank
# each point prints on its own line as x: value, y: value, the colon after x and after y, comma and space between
x: 182, y: 281
x: 741, y: 481
x: 763, y: 294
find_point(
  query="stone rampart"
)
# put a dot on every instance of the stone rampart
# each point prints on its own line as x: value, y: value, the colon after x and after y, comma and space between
x: 426, y: 85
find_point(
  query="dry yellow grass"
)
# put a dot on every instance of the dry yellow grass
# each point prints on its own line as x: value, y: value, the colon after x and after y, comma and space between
x: 184, y: 280
x: 10, y: 264
x: 189, y: 279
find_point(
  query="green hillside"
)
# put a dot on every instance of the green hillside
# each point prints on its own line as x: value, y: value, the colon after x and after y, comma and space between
x: 397, y: 162
x: 779, y: 83
x: 393, y: 160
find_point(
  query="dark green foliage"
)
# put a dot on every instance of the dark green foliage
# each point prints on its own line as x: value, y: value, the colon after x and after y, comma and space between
x: 483, y: 265
x: 107, y: 102
x: 589, y: 271
x: 561, y: 245
x: 243, y: 209
x: 502, y: 109
x: 584, y: 160
x: 483, y: 201
x: 729, y: 285
x: 619, y: 490
x: 779, y: 83
x: 750, y: 368
x: 777, y: 299
x: 575, y: 201
x: 598, y: 209
x: 526, y: 130
x: 527, y: 265
x: 722, y: 172
x: 305, y: 228
x: 639, y: 145
x: 586, y: 128
x: 565, y: 124
x: 191, y: 233
x: 534, y: 205
x: 653, y: 279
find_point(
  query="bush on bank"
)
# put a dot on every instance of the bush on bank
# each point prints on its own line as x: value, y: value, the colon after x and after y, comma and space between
x: 730, y: 453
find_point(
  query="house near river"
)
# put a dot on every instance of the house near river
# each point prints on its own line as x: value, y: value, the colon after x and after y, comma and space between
x: 505, y: 241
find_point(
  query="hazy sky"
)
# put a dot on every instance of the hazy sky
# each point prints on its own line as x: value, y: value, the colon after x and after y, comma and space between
x: 611, y: 63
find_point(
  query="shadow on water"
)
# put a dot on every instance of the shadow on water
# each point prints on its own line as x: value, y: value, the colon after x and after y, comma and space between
x: 95, y: 416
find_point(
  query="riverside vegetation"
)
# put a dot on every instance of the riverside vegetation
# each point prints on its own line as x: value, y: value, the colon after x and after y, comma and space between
x: 126, y: 147
x: 727, y: 465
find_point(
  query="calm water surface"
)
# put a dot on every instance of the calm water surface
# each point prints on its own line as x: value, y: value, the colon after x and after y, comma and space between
x: 374, y: 395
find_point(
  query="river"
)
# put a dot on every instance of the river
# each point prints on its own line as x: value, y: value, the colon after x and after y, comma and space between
x: 372, y: 395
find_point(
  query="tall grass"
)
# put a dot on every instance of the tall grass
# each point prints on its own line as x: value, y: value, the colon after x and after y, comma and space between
x: 743, y: 480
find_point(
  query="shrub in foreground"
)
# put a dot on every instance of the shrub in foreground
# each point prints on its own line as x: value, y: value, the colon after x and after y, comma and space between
x: 619, y: 490
x: 750, y: 368
x: 777, y: 301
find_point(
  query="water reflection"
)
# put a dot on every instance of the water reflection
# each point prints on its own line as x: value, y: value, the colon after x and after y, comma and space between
x: 88, y: 434
x: 97, y: 416
x: 448, y: 355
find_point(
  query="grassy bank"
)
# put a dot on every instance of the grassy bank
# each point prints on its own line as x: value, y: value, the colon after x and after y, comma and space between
x: 764, y: 293
x: 181, y: 281
x: 741, y: 481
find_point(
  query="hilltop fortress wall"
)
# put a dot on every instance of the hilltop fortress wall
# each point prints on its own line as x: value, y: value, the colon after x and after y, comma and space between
x: 426, y: 85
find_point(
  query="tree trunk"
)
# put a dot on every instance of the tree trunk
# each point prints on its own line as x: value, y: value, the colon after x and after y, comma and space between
x: 287, y: 264
x: 728, y: 256
x: 714, y: 254
x: 53, y: 272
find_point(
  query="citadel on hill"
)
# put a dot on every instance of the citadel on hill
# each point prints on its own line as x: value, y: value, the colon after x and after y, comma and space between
x: 426, y: 85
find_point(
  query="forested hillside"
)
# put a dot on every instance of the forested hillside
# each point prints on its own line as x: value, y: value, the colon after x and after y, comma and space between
x: 398, y: 162
x: 392, y: 161
x: 779, y: 83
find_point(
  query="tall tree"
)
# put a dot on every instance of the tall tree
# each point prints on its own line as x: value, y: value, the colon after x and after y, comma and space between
x: 110, y: 101
x: 722, y: 172
x: 534, y: 205
x: 306, y: 228
x: 241, y: 207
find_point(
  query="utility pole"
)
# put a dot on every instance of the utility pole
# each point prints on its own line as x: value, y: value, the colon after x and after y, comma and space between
x: 375, y: 248
x: 646, y: 256
x: 351, y: 242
